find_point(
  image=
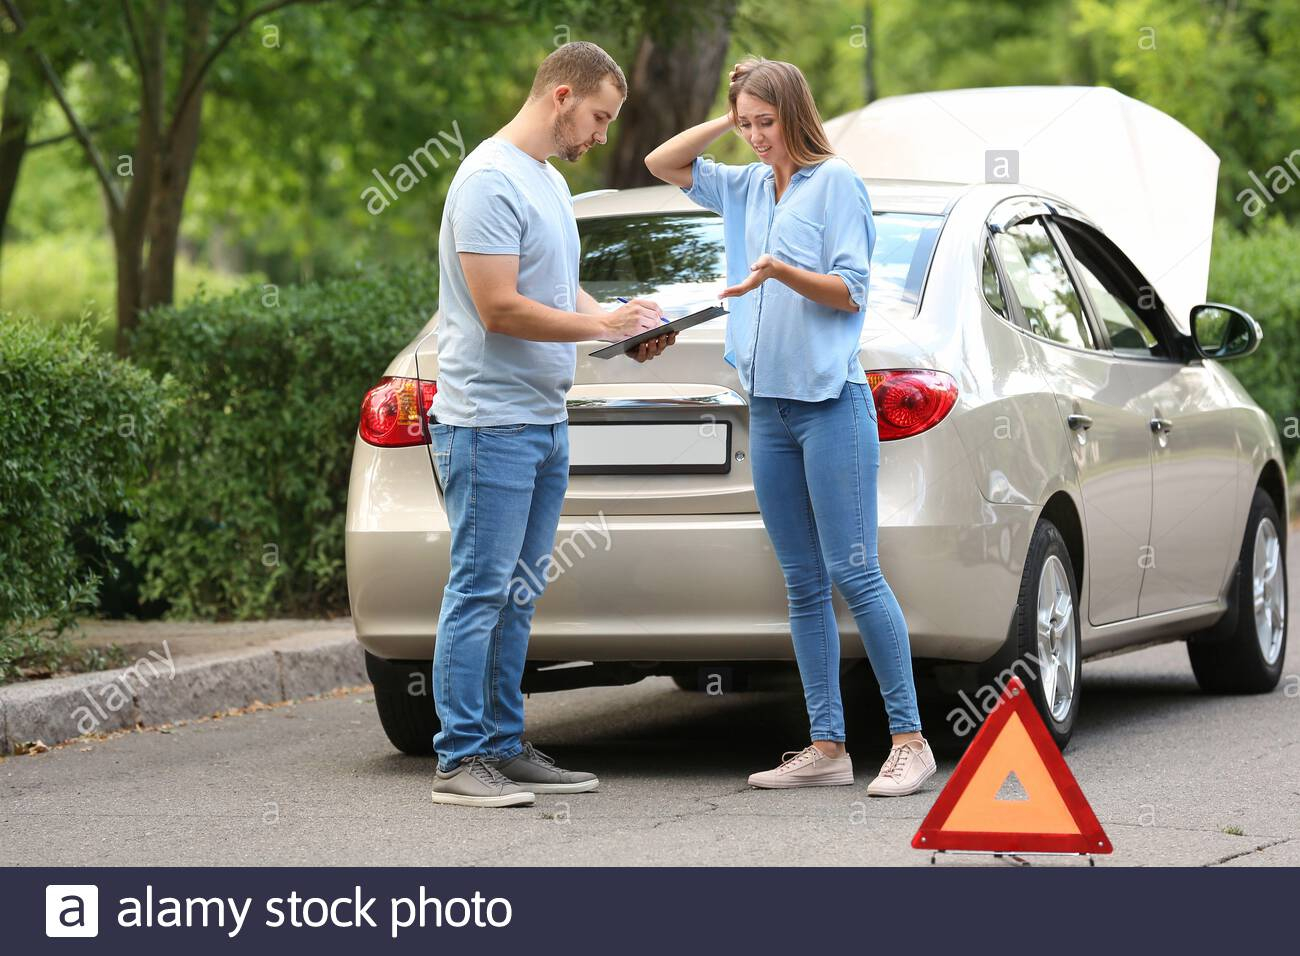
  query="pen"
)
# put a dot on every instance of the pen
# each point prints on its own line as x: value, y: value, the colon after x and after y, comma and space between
x: 624, y: 299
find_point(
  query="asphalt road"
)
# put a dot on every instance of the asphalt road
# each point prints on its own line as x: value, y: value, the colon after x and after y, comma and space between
x: 1175, y: 776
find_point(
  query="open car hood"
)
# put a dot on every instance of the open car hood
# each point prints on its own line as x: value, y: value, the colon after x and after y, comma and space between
x: 1139, y: 174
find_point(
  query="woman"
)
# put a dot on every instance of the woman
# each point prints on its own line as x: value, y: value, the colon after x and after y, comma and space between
x: 798, y: 232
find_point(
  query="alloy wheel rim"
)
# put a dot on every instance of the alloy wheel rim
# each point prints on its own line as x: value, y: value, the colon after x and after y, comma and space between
x: 1058, y: 662
x: 1268, y: 591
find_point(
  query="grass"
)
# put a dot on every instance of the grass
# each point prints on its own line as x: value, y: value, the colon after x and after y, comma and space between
x: 36, y: 657
x: 62, y: 278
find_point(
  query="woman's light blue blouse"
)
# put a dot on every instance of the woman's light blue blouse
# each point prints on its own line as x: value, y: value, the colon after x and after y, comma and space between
x: 782, y: 344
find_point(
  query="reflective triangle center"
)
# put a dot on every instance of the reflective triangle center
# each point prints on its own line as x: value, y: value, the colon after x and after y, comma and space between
x: 1042, y: 810
x: 1012, y: 789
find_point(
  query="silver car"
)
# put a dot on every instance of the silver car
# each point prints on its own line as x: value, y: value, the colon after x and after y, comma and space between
x: 1066, y: 468
x: 1064, y: 473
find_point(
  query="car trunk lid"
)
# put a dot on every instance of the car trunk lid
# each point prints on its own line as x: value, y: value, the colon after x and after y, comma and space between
x: 668, y: 436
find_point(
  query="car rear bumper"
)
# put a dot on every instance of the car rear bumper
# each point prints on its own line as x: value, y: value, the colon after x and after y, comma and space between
x: 694, y: 587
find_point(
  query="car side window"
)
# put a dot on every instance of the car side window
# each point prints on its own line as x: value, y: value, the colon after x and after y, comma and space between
x: 1041, y: 284
x: 991, y: 283
x: 1123, y: 301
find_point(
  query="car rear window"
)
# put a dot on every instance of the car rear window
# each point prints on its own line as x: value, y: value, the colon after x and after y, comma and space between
x: 679, y: 259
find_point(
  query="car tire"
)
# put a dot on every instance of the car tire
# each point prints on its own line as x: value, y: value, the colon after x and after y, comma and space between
x: 1232, y: 658
x: 404, y: 700
x: 1048, y: 638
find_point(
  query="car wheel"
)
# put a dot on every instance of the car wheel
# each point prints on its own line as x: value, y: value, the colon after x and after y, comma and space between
x: 1248, y: 659
x: 404, y: 699
x: 1048, y: 636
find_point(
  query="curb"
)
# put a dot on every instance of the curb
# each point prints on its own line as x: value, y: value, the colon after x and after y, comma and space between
x: 155, y: 690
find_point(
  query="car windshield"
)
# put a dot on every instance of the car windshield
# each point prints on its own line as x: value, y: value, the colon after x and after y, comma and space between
x: 678, y: 259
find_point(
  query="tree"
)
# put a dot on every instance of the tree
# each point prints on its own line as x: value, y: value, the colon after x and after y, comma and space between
x: 673, y: 81
x: 144, y: 218
x: 374, y: 69
x: 21, y: 97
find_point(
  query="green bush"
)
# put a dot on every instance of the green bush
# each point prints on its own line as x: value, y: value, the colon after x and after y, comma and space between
x: 246, y: 518
x: 1256, y: 271
x: 78, y: 431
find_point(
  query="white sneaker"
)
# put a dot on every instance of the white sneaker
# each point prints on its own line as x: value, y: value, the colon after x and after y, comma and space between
x: 805, y: 768
x: 907, y: 767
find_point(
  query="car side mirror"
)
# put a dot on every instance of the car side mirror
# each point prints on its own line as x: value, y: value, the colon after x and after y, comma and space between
x: 1223, y: 331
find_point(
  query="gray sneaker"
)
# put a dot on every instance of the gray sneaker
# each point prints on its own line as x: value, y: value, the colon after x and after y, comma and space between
x: 533, y: 769
x: 478, y: 783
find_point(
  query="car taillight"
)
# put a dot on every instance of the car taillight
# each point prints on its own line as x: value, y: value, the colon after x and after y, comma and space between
x: 910, y: 401
x: 393, y: 412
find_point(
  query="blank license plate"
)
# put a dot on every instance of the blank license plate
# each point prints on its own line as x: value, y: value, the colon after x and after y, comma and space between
x: 647, y: 449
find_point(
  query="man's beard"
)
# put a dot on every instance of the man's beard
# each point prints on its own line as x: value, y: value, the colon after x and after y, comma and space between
x: 566, y: 140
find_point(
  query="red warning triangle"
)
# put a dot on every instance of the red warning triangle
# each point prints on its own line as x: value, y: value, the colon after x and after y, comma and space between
x: 1053, y: 817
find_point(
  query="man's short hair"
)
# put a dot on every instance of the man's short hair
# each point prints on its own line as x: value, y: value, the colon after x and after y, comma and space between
x: 581, y: 66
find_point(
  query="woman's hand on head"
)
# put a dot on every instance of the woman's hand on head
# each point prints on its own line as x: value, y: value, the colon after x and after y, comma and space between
x: 766, y: 267
x: 737, y: 73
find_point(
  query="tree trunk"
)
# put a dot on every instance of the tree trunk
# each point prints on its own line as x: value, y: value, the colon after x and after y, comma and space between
x: 175, y: 165
x: 22, y: 96
x: 128, y: 259
x: 675, y: 77
x: 869, y: 90
x: 131, y: 226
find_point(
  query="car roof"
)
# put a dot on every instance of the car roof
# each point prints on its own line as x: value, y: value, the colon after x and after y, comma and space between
x: 887, y: 195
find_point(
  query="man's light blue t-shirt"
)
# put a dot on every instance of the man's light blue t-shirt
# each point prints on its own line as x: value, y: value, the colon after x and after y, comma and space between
x: 504, y: 202
x: 782, y: 344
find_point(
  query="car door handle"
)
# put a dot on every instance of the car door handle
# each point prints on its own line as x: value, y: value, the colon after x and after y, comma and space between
x: 1080, y: 421
x: 1162, y: 425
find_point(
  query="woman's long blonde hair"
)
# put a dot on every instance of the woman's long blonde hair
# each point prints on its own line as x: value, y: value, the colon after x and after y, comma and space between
x: 783, y: 85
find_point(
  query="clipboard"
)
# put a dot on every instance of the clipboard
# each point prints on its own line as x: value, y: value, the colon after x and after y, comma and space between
x: 676, y: 325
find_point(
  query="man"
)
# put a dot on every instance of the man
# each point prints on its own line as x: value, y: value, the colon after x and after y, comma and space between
x: 511, y: 309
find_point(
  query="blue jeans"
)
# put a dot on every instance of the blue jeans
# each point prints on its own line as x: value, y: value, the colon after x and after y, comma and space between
x: 504, y: 487
x: 815, y: 466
